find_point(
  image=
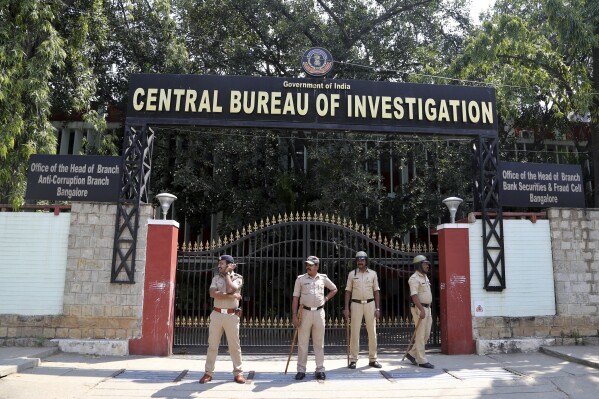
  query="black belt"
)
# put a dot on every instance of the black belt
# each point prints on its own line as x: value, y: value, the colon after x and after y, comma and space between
x: 426, y: 305
x: 309, y: 308
x: 363, y: 301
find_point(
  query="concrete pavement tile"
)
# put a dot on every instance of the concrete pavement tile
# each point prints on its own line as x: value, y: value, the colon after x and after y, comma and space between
x: 579, y: 388
x: 539, y: 364
x: 467, y: 376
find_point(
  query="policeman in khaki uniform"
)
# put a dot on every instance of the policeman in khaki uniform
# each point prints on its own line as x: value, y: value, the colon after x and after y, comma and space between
x: 308, y: 293
x: 225, y: 289
x: 363, y: 290
x: 421, y: 299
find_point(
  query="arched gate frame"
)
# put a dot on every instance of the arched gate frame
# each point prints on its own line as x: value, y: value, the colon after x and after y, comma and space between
x: 319, y: 104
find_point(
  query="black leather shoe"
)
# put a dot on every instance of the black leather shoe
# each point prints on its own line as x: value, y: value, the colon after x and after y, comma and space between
x: 411, y: 359
x: 300, y: 376
x: 427, y: 365
x: 352, y: 365
x: 375, y: 364
x: 320, y: 375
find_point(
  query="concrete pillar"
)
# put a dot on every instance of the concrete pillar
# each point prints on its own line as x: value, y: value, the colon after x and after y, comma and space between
x: 77, y: 142
x: 65, y: 139
x: 157, y: 328
x: 90, y: 136
x: 454, y: 279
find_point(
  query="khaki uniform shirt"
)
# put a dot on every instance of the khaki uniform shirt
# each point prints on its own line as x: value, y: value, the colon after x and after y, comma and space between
x: 311, y: 290
x: 362, y: 285
x: 220, y: 284
x: 420, y: 285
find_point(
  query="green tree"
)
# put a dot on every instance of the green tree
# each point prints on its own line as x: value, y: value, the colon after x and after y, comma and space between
x: 92, y: 46
x: 72, y: 57
x: 383, y: 40
x: 31, y: 50
x: 543, y: 57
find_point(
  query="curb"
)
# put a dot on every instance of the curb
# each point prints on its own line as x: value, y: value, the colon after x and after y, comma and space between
x: 19, y: 364
x: 569, y: 358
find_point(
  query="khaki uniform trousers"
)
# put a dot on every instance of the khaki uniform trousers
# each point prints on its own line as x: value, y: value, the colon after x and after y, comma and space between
x: 359, y: 311
x: 229, y: 324
x: 422, y: 334
x: 312, y: 323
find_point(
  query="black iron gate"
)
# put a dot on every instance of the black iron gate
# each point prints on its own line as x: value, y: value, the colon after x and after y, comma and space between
x: 270, y: 256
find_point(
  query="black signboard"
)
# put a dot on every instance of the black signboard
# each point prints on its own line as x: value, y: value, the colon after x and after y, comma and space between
x: 535, y: 185
x: 73, y: 178
x: 313, y: 103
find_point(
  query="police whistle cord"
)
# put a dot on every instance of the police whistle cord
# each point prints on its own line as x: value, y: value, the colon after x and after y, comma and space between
x: 299, y: 319
x: 412, y: 339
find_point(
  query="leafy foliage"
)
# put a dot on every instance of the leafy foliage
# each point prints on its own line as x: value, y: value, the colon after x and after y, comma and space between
x: 76, y: 56
x: 540, y: 56
x: 30, y: 48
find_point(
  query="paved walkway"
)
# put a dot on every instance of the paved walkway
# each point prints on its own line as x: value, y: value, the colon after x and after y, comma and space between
x: 555, y: 372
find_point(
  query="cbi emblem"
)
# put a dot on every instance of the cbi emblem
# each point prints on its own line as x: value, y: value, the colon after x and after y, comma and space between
x: 317, y: 61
